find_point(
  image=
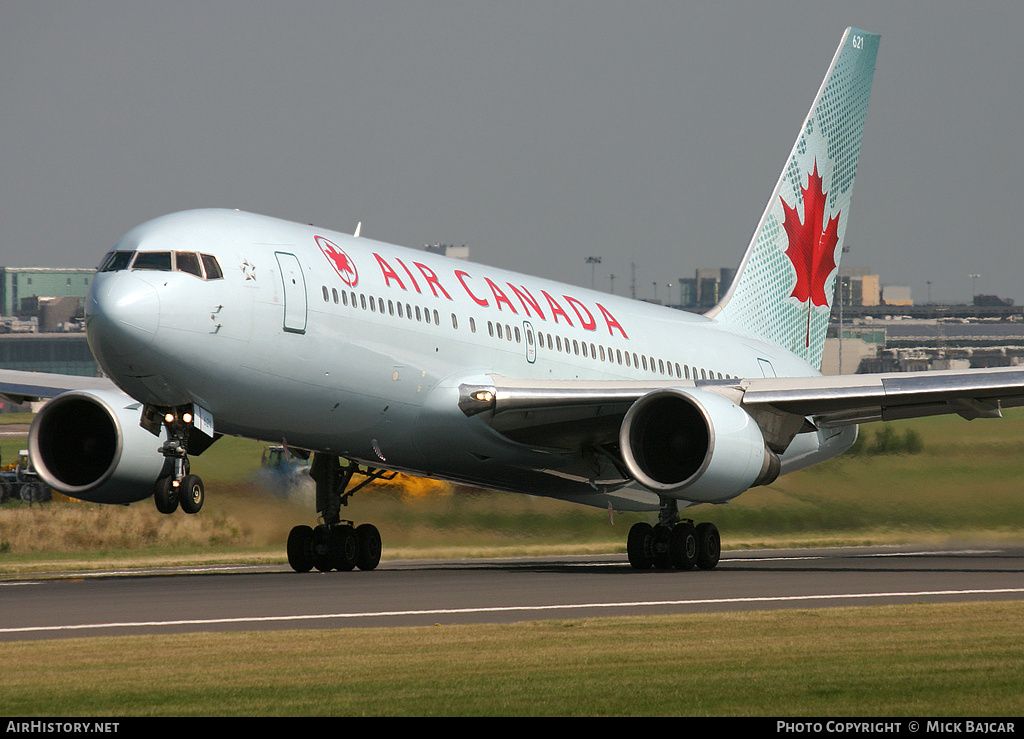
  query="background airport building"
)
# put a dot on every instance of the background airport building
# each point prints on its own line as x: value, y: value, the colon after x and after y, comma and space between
x: 41, y: 320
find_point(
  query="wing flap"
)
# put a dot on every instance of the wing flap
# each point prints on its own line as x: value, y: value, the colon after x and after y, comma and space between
x: 846, y: 399
x: 575, y: 415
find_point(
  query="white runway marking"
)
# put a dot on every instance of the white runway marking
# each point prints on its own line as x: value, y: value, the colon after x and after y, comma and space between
x: 501, y: 609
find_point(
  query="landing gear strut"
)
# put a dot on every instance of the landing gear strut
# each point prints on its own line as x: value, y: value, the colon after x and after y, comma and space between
x: 673, y: 542
x: 336, y: 544
x: 177, y: 486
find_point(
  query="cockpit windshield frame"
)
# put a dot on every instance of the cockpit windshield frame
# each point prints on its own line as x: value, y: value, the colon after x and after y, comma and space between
x: 203, y: 266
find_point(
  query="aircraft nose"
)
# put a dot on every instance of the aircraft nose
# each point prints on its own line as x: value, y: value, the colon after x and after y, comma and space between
x: 122, y: 315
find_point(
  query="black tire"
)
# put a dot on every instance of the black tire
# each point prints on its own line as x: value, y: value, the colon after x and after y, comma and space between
x: 300, y: 548
x: 341, y: 541
x: 709, y: 546
x: 191, y: 494
x: 165, y: 495
x: 323, y: 560
x: 682, y: 546
x: 31, y: 492
x: 640, y: 546
x: 662, y: 553
x: 368, y: 547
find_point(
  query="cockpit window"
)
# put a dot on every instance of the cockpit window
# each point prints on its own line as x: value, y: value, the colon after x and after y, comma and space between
x: 212, y: 267
x: 156, y: 260
x: 203, y: 266
x: 188, y: 261
x: 117, y: 260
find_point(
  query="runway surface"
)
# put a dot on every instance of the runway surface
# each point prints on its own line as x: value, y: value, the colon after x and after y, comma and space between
x: 403, y: 593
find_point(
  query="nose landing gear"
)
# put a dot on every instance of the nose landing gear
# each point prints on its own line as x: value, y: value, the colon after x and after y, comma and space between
x: 177, y: 486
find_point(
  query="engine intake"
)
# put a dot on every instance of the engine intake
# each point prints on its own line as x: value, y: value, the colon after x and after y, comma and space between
x: 89, y: 445
x: 681, y: 439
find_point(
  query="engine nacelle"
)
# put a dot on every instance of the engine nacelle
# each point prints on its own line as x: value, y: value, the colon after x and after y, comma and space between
x: 694, y: 445
x: 89, y: 445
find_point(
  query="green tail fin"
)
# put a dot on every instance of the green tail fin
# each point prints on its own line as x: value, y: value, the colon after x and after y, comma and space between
x: 783, y: 289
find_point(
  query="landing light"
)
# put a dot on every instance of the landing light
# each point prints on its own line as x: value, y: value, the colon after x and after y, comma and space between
x: 484, y: 396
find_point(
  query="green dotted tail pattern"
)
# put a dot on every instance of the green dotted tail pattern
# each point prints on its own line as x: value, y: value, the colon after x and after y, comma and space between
x: 761, y: 302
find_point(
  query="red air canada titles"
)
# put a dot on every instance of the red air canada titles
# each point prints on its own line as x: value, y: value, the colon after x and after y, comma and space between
x: 487, y: 293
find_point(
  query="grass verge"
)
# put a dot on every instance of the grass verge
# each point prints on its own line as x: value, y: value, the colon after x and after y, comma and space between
x: 913, y: 660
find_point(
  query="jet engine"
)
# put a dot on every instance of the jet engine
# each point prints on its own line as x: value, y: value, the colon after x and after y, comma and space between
x: 694, y: 445
x: 89, y: 445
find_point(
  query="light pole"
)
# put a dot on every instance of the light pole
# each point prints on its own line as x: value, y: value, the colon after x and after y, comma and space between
x: 974, y: 287
x: 593, y: 262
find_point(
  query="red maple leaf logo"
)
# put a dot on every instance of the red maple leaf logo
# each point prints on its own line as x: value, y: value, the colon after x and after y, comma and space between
x: 812, y: 246
x: 341, y: 261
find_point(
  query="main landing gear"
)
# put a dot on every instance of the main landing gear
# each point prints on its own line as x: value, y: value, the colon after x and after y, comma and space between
x: 336, y: 544
x: 673, y: 542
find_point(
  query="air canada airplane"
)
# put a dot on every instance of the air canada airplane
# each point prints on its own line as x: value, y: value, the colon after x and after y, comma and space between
x: 377, y: 359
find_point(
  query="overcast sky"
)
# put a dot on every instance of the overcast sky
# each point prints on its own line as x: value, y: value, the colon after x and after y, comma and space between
x: 537, y: 133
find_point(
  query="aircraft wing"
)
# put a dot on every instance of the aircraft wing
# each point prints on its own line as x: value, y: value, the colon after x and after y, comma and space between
x: 20, y: 387
x: 567, y: 415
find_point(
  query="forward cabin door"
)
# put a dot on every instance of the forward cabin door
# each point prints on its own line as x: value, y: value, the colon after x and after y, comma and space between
x: 294, y: 292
